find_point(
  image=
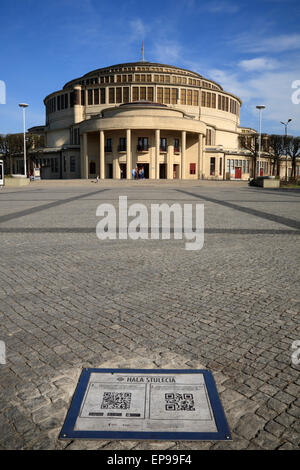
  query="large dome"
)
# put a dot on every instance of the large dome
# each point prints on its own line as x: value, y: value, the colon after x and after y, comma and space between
x: 146, y: 67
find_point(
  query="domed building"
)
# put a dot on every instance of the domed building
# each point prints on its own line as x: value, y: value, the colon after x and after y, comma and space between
x: 170, y: 122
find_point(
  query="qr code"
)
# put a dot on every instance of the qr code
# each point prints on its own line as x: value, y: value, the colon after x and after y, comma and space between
x: 179, y: 402
x: 115, y: 400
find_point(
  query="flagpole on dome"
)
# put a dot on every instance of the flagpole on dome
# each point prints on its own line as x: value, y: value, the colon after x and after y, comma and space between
x: 143, y: 60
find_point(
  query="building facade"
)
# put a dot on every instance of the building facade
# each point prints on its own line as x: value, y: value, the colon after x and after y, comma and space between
x: 171, y: 122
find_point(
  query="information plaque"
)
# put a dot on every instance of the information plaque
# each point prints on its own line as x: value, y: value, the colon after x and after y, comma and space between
x: 146, y: 404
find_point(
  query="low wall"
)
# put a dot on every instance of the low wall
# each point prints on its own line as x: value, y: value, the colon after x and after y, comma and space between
x: 271, y: 183
x: 15, y: 181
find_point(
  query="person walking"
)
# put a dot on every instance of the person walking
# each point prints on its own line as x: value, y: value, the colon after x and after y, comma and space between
x: 133, y: 173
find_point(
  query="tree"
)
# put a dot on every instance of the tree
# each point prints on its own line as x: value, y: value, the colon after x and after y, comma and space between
x: 276, y: 150
x: 292, y: 147
x: 250, y: 142
x: 12, y: 145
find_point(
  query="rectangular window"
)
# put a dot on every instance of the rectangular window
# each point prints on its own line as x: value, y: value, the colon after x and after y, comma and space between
x: 208, y: 137
x: 137, y: 77
x: 143, y: 78
x: 82, y: 97
x: 163, y: 144
x: 232, y: 164
x: 182, y: 96
x: 102, y: 95
x: 62, y: 102
x: 118, y: 95
x: 223, y: 103
x: 167, y: 96
x: 65, y: 164
x: 174, y: 93
x: 195, y: 98
x: 118, y: 78
x: 125, y: 94
x: 129, y: 78
x: 244, y: 166
x: 226, y: 103
x: 72, y: 164
x: 111, y: 95
x: 219, y: 102
x: 135, y: 93
x: 96, y: 96
x: 90, y: 97
x: 159, y: 98
x: 220, y: 167
x: 150, y: 96
x: 203, y: 98
x: 122, y: 146
x: 58, y: 103
x: 142, y: 93
x: 213, y: 100
x: 212, y: 166
x: 149, y: 78
x: 208, y: 99
x: 108, y: 147
x: 176, y: 145
x: 189, y: 97
x: 142, y: 144
x: 192, y: 168
x: 66, y: 100
x: 228, y: 166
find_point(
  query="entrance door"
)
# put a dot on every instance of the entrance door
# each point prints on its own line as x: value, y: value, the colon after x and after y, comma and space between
x: 238, y: 172
x: 162, y: 171
x: 92, y: 168
x: 145, y: 166
x: 123, y: 168
x: 109, y: 170
x: 175, y: 172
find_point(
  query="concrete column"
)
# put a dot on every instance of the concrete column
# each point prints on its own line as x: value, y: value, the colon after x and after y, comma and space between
x: 116, y: 169
x: 128, y: 154
x: 200, y: 156
x: 183, y: 148
x: 170, y: 160
x: 157, y: 144
x: 84, y: 156
x: 102, y: 156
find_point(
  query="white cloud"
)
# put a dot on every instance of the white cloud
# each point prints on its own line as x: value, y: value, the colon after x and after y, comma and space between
x: 139, y: 29
x: 258, y: 43
x: 258, y: 64
x: 167, y: 51
x: 220, y: 6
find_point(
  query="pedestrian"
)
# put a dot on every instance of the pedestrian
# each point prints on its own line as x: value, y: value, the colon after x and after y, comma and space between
x: 133, y: 173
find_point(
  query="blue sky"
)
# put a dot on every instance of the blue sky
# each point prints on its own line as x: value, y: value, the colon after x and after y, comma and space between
x: 252, y: 48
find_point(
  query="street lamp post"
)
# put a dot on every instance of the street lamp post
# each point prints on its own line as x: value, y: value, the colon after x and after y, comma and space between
x: 24, y: 106
x: 285, y: 132
x: 260, y: 108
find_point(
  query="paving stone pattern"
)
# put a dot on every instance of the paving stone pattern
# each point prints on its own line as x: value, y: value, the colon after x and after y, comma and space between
x: 69, y: 300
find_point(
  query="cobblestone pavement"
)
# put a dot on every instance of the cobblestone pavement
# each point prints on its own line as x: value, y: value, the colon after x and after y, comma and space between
x: 69, y: 301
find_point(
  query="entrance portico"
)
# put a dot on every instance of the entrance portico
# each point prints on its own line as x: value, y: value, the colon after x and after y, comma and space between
x: 128, y: 135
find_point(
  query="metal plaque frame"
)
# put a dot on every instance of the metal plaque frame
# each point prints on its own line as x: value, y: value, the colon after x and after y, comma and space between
x: 68, y: 431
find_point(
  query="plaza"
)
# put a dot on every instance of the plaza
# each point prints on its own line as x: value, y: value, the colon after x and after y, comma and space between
x: 70, y: 300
